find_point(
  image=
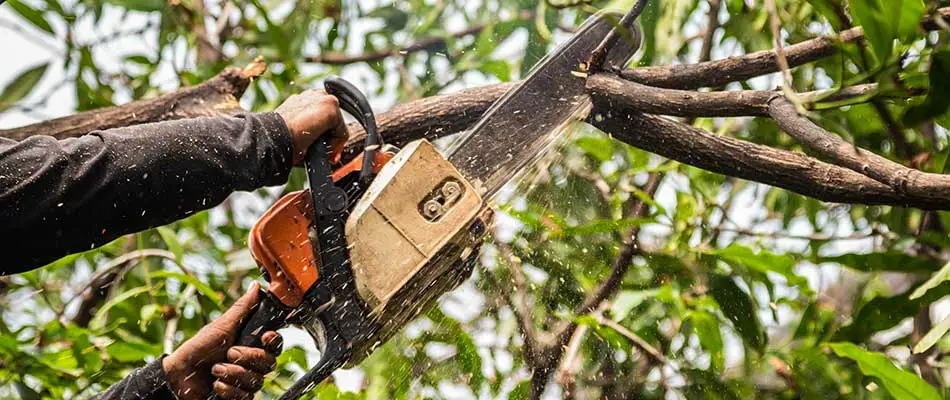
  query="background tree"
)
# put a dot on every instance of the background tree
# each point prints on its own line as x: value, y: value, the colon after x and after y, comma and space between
x: 757, y: 242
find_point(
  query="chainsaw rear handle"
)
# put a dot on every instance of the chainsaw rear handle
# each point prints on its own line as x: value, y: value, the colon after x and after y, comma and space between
x: 355, y: 103
x: 269, y: 314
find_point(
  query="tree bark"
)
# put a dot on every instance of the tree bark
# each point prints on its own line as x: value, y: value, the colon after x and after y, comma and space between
x: 216, y: 97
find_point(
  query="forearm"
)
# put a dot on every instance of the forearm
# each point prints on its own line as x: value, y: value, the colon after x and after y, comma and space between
x: 62, y: 196
x: 146, y: 383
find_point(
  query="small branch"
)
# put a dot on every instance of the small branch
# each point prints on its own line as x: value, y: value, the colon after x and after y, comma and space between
x: 432, y: 44
x: 776, y: 23
x: 522, y: 313
x: 628, y: 249
x: 712, y: 24
x: 569, y: 365
x: 106, y: 277
x: 599, y: 55
x: 172, y: 326
x: 904, y: 181
x: 786, y: 235
x: 636, y: 339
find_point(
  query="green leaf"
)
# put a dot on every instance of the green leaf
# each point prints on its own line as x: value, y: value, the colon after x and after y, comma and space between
x: 627, y: 300
x: 933, y: 336
x: 738, y: 307
x: 937, y: 101
x: 31, y: 14
x: 191, y: 280
x: 469, y: 360
x: 521, y: 392
x: 882, y: 313
x: 148, y: 313
x: 884, y: 21
x: 499, y: 68
x: 132, y: 351
x: 892, y: 261
x: 763, y: 261
x: 706, y: 385
x: 601, y: 148
x: 706, y: 328
x: 827, y: 10
x: 100, y: 319
x: 898, y: 382
x: 939, y: 277
x: 21, y: 86
x: 171, y: 240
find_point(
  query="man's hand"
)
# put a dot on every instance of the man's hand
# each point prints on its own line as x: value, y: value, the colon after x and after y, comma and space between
x: 311, y: 114
x: 191, y: 370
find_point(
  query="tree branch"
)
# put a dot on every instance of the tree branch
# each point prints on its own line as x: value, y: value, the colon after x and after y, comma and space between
x: 728, y: 156
x: 906, y: 182
x: 691, y: 103
x: 216, y: 97
x: 738, y: 68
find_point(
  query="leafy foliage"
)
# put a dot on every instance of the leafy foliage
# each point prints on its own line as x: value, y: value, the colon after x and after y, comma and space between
x: 744, y: 291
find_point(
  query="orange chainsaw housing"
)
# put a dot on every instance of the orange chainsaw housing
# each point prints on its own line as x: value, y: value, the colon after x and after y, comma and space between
x: 280, y: 240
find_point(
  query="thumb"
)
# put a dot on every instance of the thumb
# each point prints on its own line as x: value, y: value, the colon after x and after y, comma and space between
x: 233, y: 318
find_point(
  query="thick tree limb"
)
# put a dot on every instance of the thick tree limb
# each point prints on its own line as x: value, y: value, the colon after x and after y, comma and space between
x: 690, y: 103
x: 785, y: 169
x: 906, y: 182
x: 215, y: 97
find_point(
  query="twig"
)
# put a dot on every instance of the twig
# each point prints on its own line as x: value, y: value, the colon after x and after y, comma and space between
x: 107, y: 268
x: 636, y: 339
x: 775, y: 23
x: 568, y: 368
x: 689, y: 103
x: 15, y: 27
x: 522, y: 311
x: 599, y: 55
x: 172, y: 326
x: 429, y: 44
x: 712, y: 24
x: 785, y: 235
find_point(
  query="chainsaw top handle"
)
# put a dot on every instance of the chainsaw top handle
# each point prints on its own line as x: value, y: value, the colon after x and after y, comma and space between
x: 355, y: 103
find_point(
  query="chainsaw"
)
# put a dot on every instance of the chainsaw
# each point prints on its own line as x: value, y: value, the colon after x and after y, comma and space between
x: 371, y: 245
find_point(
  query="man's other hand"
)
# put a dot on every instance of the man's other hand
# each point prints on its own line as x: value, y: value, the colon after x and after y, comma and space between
x: 311, y: 114
x: 208, y: 361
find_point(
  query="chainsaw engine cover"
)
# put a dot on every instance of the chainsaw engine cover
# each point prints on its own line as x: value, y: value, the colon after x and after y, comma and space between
x: 412, y: 209
x: 413, y: 235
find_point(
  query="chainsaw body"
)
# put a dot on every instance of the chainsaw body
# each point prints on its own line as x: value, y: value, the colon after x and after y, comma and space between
x: 373, y: 244
x: 412, y: 236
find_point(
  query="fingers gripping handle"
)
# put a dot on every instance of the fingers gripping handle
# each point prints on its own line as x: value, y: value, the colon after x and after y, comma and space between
x: 355, y: 103
x: 268, y: 315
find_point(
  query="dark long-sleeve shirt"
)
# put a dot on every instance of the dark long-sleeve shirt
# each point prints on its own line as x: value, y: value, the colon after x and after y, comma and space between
x: 59, y: 197
x: 146, y: 383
